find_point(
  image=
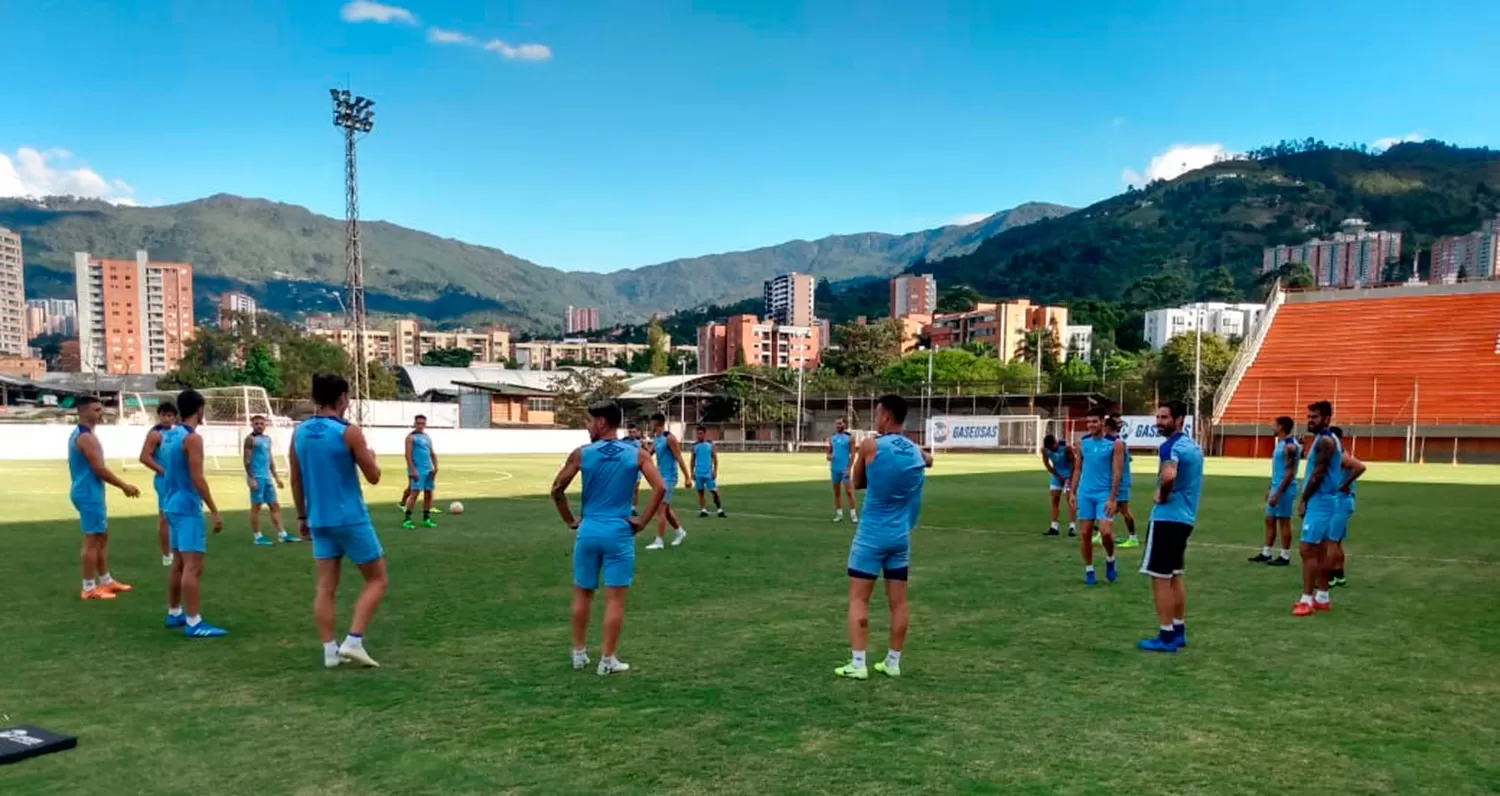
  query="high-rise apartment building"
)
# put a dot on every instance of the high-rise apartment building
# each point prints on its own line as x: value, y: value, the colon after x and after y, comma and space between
x: 1002, y: 325
x: 1475, y: 255
x: 579, y: 320
x: 748, y: 340
x: 1351, y: 258
x: 51, y: 316
x: 13, y: 337
x: 789, y: 300
x: 1218, y: 319
x: 134, y: 316
x: 913, y: 294
x: 234, y: 306
x: 405, y: 342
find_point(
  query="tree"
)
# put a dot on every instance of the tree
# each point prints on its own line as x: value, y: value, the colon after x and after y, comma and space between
x: 1218, y: 285
x: 1295, y: 276
x: 979, y: 349
x: 383, y: 385
x: 1045, y: 339
x: 1175, y: 367
x: 824, y: 298
x: 261, y: 370
x: 681, y: 361
x: 656, y: 346
x: 959, y: 298
x: 573, y: 392
x: 1075, y: 375
x: 950, y: 367
x: 448, y: 357
x: 865, y: 349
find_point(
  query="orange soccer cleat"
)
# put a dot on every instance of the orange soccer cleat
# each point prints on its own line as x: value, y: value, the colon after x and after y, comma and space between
x: 1323, y: 606
x: 1303, y: 609
x: 96, y: 594
x: 115, y: 587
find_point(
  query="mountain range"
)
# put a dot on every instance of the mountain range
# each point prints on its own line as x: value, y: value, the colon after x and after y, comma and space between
x: 292, y: 260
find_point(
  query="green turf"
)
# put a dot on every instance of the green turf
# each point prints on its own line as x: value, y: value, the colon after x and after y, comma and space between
x: 1018, y: 679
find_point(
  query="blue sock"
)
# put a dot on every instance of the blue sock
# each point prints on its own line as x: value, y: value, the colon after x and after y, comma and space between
x: 1166, y: 634
x: 1179, y: 629
x: 356, y: 635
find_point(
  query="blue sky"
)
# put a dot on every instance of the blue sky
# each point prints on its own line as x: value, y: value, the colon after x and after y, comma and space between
x: 611, y: 134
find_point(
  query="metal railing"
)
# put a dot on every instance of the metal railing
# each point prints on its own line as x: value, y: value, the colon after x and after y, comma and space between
x: 1248, y: 350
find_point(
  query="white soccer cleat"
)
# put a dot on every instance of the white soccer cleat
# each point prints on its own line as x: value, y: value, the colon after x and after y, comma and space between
x: 838, y: 518
x: 678, y: 537
x: 854, y: 518
x: 656, y: 544
x: 607, y: 666
x: 580, y: 661
x: 357, y: 655
x: 331, y: 660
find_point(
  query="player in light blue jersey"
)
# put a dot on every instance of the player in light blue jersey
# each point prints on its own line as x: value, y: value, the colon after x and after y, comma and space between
x: 181, y: 455
x: 1353, y: 470
x: 706, y: 471
x: 840, y: 466
x: 261, y: 476
x: 328, y: 455
x: 1320, y: 507
x: 669, y: 463
x: 633, y: 438
x: 1281, y: 496
x: 1059, y: 458
x: 1179, y: 484
x: 1096, y: 490
x: 421, y: 473
x: 1112, y: 427
x: 605, y: 539
x: 166, y: 418
x: 88, y: 474
x: 891, y: 469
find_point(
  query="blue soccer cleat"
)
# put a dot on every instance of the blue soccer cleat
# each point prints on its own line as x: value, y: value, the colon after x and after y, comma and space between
x: 261, y: 541
x: 1109, y: 571
x: 174, y: 622
x: 1089, y: 579
x: 1156, y: 644
x: 203, y: 630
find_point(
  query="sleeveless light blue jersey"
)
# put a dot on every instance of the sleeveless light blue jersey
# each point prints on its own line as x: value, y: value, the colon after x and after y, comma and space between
x: 610, y: 469
x: 87, y: 489
x: 159, y: 481
x: 841, y: 444
x: 633, y: 442
x: 703, y: 460
x: 260, y: 456
x: 182, y: 496
x: 421, y: 452
x: 1182, y: 504
x: 330, y: 479
x: 1329, y: 489
x: 1098, y: 456
x: 893, y: 489
x: 1060, y: 461
x: 1278, y: 460
x: 665, y: 461
x: 1125, y: 466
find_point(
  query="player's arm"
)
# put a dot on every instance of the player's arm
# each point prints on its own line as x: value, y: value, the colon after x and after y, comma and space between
x: 653, y: 478
x: 1073, y: 479
x: 89, y: 446
x: 1353, y: 469
x: 829, y: 442
x: 432, y: 455
x: 714, y: 449
x: 247, y: 452
x: 926, y: 458
x: 411, y: 466
x: 560, y: 485
x: 1047, y: 463
x: 148, y: 453
x: 1166, y: 479
x: 1116, y: 470
x: 275, y: 476
x: 866, y: 455
x: 297, y: 498
x: 192, y: 449
x: 364, y: 458
x: 1322, y: 455
x: 681, y: 465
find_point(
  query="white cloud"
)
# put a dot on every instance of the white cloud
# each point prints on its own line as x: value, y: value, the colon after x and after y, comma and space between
x: 1382, y: 144
x: 519, y: 52
x: 1177, y: 160
x: 37, y: 173
x: 445, y: 36
x: 368, y: 11
x: 968, y: 218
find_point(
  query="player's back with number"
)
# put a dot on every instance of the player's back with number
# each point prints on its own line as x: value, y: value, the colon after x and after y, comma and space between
x: 330, y: 477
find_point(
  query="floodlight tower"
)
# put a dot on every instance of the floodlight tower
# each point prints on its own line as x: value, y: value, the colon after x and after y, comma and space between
x: 353, y: 115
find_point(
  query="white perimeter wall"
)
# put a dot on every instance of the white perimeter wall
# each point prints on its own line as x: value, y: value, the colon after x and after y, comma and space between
x: 23, y: 441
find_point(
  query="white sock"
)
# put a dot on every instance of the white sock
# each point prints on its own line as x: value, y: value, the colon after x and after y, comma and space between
x: 892, y: 658
x: 258, y: 535
x: 195, y: 620
x: 352, y: 640
x: 1072, y: 526
x: 1322, y: 597
x: 609, y: 660
x: 330, y: 649
x: 1307, y: 598
x: 581, y: 652
x: 1286, y: 552
x: 1177, y: 622
x: 1266, y: 551
x: 1165, y: 628
x: 88, y: 584
x: 1109, y: 559
x: 857, y: 659
x: 838, y: 512
x: 175, y: 610
x: 1089, y: 568
x: 106, y: 579
x: 281, y: 532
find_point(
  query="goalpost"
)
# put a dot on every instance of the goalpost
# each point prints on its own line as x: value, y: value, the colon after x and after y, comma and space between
x: 226, y: 422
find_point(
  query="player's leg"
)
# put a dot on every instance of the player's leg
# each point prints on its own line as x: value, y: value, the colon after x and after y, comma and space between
x: 1312, y: 569
x: 1161, y: 561
x: 849, y: 493
x: 1179, y: 610
x: 1285, y: 559
x: 1264, y: 556
x: 897, y: 565
x: 274, y: 508
x: 614, y: 621
x: 325, y: 606
x: 678, y: 534
x: 175, y: 615
x: 370, y: 596
x: 1055, y: 510
x: 406, y: 497
x: 363, y: 548
x: 838, y: 500
x: 163, y: 538
x: 87, y: 568
x: 255, y: 506
x: 1107, y: 541
x: 190, y: 584
x: 702, y: 501
x: 578, y: 620
x: 191, y: 541
x: 861, y: 587
x: 409, y: 502
x: 588, y: 558
x: 718, y: 502
x: 107, y: 581
x: 1086, y: 539
x: 1124, y: 509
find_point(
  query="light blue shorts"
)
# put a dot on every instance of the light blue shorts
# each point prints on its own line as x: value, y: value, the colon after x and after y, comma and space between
x: 358, y: 543
x: 187, y: 532
x: 870, y: 556
x: 91, y: 519
x: 667, y: 498
x: 1091, y: 507
x: 1341, y: 520
x: 838, y: 476
x: 422, y: 482
x: 1124, y: 494
x: 606, y: 546
x: 705, y: 483
x: 1320, y: 523
x: 159, y: 484
x: 1059, y: 484
x: 1287, y: 506
x: 263, y: 493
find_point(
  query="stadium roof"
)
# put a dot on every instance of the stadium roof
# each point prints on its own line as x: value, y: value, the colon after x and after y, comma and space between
x: 425, y: 380
x: 501, y: 388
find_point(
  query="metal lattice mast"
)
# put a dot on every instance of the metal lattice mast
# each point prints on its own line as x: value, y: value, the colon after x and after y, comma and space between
x: 354, y: 116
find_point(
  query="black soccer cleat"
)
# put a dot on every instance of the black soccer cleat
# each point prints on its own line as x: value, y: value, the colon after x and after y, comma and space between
x: 1260, y: 558
x: 1051, y: 532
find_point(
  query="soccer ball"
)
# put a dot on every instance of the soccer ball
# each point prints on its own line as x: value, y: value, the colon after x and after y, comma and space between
x: 455, y: 507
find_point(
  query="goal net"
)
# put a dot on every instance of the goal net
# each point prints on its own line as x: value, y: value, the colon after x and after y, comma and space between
x: 1003, y: 433
x: 226, y: 422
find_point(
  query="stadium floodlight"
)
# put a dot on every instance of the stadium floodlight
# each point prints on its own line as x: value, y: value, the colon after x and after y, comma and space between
x: 352, y: 114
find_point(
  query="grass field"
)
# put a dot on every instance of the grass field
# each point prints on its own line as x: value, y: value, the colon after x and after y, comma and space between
x: 1018, y: 679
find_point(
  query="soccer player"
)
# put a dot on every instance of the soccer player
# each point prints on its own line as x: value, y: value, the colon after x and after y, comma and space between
x: 605, y: 538
x: 89, y: 474
x: 1112, y: 425
x: 181, y: 453
x: 421, y: 472
x: 891, y: 469
x: 633, y: 438
x: 668, y: 462
x: 1353, y: 469
x: 1096, y: 489
x: 1281, y: 497
x: 1060, y: 459
x: 328, y: 455
x: 260, y: 473
x: 166, y: 418
x: 840, y: 447
x: 1319, y: 507
x: 1179, y: 481
x: 706, y: 472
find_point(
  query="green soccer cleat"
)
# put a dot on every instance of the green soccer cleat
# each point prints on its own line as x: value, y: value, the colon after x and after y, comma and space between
x: 408, y: 525
x: 852, y: 672
x: 428, y: 524
x: 888, y: 671
x: 436, y: 510
x: 1130, y: 541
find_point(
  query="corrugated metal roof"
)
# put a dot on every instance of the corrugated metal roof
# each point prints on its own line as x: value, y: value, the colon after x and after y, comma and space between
x: 425, y: 379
